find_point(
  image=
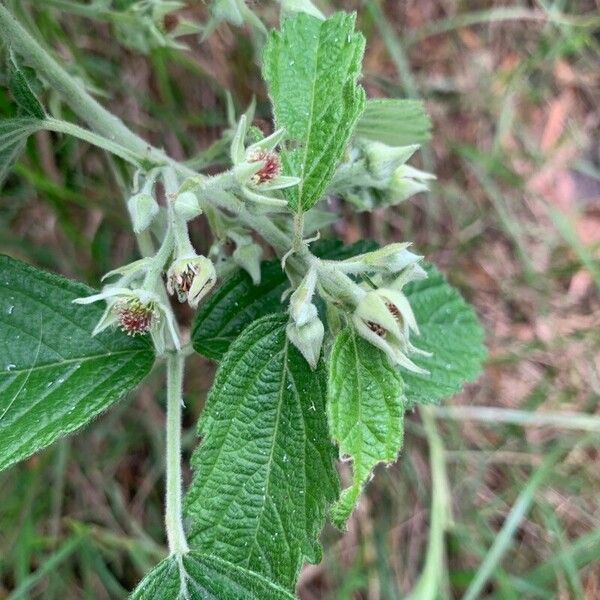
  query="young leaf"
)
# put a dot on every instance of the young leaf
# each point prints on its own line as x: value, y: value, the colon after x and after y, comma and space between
x: 195, y: 576
x: 238, y: 302
x: 394, y: 122
x: 21, y: 91
x: 365, y: 410
x: 264, y: 470
x: 311, y: 67
x: 13, y: 135
x: 451, y: 331
x: 54, y: 376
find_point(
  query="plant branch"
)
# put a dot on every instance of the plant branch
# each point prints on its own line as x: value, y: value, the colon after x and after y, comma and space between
x: 173, y: 511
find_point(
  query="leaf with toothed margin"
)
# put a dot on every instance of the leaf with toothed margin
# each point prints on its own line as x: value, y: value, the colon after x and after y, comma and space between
x: 264, y: 472
x: 451, y: 332
x: 311, y: 67
x: 365, y: 409
x: 54, y: 376
x: 194, y: 576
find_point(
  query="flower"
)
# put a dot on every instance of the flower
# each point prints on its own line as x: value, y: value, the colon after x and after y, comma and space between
x: 191, y: 278
x: 269, y: 170
x: 385, y: 318
x: 134, y: 316
x: 136, y: 312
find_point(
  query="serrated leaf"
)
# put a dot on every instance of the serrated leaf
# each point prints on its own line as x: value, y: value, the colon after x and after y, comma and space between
x: 311, y: 67
x: 264, y: 473
x: 21, y: 91
x: 238, y: 302
x: 451, y: 331
x: 13, y: 136
x: 365, y: 410
x: 395, y: 122
x: 54, y: 376
x: 195, y: 576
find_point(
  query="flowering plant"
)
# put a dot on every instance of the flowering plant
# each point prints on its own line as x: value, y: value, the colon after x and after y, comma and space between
x: 320, y: 351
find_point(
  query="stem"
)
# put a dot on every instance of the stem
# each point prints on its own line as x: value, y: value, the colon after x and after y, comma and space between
x: 173, y: 513
x: 430, y: 582
x: 74, y: 93
x: 93, y: 138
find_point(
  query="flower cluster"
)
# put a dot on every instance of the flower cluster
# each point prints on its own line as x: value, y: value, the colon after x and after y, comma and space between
x: 377, y: 176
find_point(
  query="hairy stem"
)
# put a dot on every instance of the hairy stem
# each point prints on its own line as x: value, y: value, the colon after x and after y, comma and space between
x: 173, y: 513
x: 102, y: 121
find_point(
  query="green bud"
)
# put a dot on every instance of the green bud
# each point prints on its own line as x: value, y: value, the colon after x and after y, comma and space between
x: 142, y: 210
x: 247, y: 256
x: 383, y: 160
x: 308, y: 339
x: 186, y: 205
x: 302, y: 310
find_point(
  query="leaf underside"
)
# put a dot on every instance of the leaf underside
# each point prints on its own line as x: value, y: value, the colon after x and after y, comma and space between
x: 264, y: 473
x: 395, y: 122
x: 365, y: 410
x: 451, y: 331
x: 198, y: 577
x: 311, y: 67
x: 54, y: 376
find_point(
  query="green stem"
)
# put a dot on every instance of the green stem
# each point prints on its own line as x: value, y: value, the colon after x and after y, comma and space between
x: 173, y: 506
x: 93, y: 138
x: 429, y: 585
x: 73, y: 91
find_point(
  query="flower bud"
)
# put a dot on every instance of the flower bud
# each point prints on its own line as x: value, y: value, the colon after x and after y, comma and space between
x: 308, y: 339
x: 247, y: 256
x: 191, y: 278
x: 383, y: 160
x: 385, y: 318
x: 302, y: 310
x: 142, y: 210
x: 408, y: 181
x: 186, y: 205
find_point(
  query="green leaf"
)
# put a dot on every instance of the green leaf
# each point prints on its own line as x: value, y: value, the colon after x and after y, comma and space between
x: 238, y: 302
x: 13, y: 136
x: 54, y: 376
x: 451, y: 331
x: 311, y: 67
x: 198, y: 577
x: 365, y: 410
x: 264, y: 473
x: 394, y: 122
x: 21, y: 91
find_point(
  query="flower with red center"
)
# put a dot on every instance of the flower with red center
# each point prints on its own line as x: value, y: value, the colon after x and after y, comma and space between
x: 270, y: 169
x: 134, y: 316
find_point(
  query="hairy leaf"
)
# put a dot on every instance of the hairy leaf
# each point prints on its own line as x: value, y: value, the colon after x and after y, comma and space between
x: 198, y: 577
x: 238, y: 302
x: 22, y: 92
x: 264, y: 473
x: 365, y: 410
x: 394, y: 122
x: 311, y: 67
x: 451, y: 331
x: 13, y: 135
x: 54, y: 376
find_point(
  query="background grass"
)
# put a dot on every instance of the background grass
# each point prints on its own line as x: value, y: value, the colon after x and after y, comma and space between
x: 496, y: 494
